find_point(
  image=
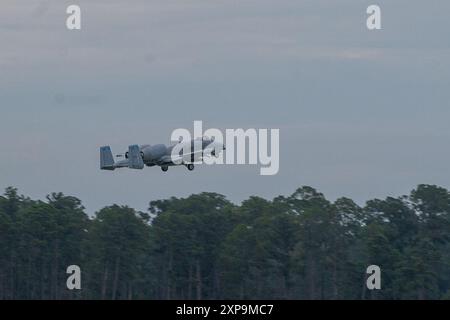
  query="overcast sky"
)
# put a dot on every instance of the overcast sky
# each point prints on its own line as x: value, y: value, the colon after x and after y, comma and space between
x: 361, y: 113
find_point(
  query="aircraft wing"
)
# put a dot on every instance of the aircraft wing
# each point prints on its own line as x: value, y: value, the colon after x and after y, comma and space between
x: 190, y: 157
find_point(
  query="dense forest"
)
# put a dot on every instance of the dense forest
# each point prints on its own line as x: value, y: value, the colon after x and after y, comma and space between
x: 205, y: 247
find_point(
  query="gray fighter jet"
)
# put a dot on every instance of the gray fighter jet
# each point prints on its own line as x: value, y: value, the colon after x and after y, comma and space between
x: 186, y: 153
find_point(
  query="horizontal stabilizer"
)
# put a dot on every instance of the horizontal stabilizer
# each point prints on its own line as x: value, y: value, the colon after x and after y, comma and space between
x: 135, y: 158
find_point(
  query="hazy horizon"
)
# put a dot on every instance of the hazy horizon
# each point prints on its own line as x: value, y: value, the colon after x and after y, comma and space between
x: 362, y: 114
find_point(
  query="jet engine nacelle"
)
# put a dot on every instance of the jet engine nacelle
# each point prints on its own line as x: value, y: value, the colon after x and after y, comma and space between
x: 155, y: 152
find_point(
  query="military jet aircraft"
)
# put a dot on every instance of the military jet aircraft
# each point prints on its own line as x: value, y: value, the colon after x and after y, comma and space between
x: 161, y: 155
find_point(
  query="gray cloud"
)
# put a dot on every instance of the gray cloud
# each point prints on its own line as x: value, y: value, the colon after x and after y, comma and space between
x: 361, y: 113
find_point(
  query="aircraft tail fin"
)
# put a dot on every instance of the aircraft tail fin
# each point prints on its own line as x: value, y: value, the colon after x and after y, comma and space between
x: 135, y: 158
x: 106, y: 158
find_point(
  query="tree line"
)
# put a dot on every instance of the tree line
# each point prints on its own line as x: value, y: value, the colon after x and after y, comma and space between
x: 301, y: 246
